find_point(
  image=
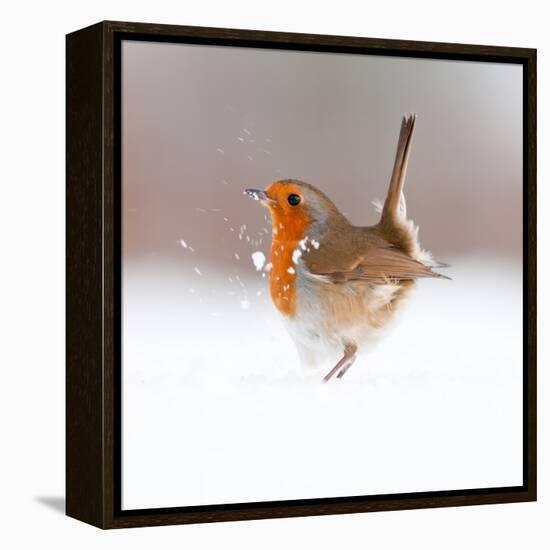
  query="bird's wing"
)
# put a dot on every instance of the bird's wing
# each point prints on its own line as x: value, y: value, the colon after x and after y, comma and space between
x: 377, y: 263
x: 380, y: 268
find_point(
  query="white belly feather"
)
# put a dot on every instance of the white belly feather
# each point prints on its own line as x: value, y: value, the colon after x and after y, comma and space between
x: 329, y: 316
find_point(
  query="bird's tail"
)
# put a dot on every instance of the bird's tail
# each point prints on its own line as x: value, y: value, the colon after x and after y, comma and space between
x: 399, y: 230
x: 394, y: 209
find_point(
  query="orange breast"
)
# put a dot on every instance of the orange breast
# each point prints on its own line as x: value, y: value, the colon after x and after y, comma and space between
x: 289, y: 227
x: 282, y: 277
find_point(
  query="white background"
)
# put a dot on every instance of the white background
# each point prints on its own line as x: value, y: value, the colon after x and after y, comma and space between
x: 32, y: 233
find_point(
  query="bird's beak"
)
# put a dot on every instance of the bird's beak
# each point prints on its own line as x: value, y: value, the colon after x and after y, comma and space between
x: 258, y: 195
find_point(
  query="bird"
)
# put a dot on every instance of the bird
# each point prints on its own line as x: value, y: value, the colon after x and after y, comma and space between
x: 335, y: 284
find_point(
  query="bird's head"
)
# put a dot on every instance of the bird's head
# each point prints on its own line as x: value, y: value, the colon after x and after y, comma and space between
x: 297, y: 209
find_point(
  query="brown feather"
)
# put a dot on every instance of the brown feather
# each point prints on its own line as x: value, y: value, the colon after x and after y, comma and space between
x: 390, y: 212
x: 368, y: 257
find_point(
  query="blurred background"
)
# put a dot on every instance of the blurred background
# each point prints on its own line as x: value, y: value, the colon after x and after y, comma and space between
x: 216, y: 407
x: 201, y: 123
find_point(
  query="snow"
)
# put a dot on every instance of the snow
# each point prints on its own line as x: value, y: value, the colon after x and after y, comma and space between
x: 217, y: 409
x: 258, y: 258
x: 296, y: 255
x: 186, y: 246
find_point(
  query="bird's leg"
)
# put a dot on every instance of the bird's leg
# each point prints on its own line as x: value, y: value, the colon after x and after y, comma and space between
x: 338, y: 365
x: 346, y: 367
x: 344, y: 363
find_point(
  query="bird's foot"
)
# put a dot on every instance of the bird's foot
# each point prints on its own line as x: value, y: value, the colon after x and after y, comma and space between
x: 333, y: 371
x: 344, y: 364
x: 346, y: 367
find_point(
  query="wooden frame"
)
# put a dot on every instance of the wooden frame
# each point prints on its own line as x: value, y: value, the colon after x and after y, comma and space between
x: 93, y: 275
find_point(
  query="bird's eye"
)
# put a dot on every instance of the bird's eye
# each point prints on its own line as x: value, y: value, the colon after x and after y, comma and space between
x: 294, y: 200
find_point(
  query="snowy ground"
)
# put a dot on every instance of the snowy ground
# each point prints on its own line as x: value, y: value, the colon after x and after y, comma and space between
x: 216, y: 408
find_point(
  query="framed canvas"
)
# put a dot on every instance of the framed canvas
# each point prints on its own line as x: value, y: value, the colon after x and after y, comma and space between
x: 255, y: 326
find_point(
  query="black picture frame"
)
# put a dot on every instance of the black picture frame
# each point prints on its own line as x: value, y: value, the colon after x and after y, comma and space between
x: 93, y: 269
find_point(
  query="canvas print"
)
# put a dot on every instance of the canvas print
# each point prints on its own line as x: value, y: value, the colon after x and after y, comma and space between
x: 321, y: 275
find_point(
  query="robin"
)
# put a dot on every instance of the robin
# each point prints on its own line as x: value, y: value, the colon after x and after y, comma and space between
x: 337, y: 284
